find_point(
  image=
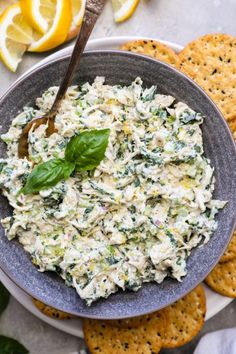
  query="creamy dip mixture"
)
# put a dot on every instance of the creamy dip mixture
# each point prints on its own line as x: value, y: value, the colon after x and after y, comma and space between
x: 133, y: 219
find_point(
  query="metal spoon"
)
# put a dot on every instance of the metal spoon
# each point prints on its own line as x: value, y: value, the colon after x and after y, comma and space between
x: 93, y: 9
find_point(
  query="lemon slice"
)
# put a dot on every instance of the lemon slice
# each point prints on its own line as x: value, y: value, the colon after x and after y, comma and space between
x: 39, y: 13
x: 15, y: 36
x: 78, y: 7
x: 123, y: 9
x: 51, y: 17
x: 4, y: 4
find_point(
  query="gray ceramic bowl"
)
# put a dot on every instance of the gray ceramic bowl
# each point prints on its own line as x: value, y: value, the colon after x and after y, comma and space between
x: 122, y: 68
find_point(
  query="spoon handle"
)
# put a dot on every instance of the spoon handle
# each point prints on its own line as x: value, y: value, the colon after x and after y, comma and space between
x: 93, y: 10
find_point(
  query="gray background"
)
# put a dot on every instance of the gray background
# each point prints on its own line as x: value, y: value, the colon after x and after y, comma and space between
x: 178, y: 21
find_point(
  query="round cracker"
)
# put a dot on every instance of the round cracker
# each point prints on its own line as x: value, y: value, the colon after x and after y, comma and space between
x: 153, y: 49
x: 50, y: 311
x: 100, y: 337
x: 222, y: 278
x: 186, y: 318
x: 211, y: 61
x: 155, y: 323
x: 130, y: 322
x: 230, y: 252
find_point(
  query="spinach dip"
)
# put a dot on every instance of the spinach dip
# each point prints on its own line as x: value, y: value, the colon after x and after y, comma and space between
x: 135, y: 217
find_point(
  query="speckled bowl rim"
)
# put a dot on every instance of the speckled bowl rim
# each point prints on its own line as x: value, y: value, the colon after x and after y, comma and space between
x: 129, y: 54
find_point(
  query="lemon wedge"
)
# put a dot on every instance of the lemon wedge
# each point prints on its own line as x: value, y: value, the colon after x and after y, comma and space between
x: 123, y: 9
x: 50, y: 17
x: 39, y: 13
x: 15, y: 36
x: 78, y: 7
x: 4, y: 4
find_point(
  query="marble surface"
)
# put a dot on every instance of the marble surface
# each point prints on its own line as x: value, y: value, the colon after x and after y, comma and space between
x: 178, y: 21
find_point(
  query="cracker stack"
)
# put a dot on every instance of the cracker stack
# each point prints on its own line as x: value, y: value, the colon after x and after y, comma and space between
x: 168, y: 328
x: 211, y: 62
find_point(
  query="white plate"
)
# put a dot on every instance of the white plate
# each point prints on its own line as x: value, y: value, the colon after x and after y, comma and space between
x: 215, y: 302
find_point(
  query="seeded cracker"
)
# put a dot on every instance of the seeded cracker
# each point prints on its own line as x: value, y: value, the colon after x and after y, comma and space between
x: 50, y: 311
x: 100, y: 337
x: 211, y: 61
x: 130, y: 322
x: 230, y: 252
x: 222, y: 278
x: 186, y: 319
x: 153, y: 49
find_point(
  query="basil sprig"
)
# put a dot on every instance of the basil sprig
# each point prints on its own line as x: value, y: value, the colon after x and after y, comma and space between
x: 83, y: 152
x: 8, y: 345
x: 11, y: 346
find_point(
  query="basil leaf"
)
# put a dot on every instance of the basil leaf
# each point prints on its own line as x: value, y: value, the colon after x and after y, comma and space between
x: 83, y: 152
x: 87, y: 149
x: 47, y: 175
x: 11, y: 346
x: 4, y: 298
